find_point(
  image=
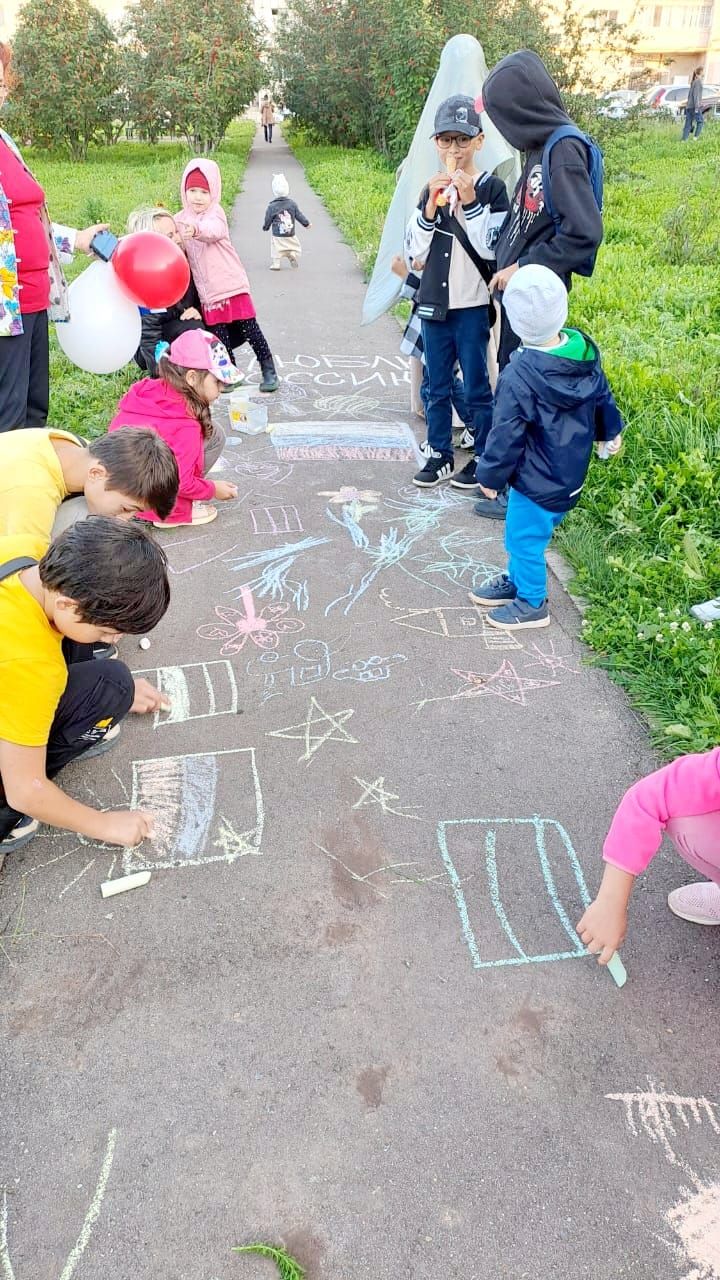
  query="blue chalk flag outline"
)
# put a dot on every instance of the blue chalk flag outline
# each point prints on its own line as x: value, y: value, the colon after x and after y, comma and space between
x: 521, y: 957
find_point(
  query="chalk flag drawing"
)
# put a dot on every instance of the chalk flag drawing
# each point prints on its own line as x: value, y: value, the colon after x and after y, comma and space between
x: 376, y: 793
x: 518, y: 914
x: 279, y: 519
x: 195, y: 690
x: 659, y: 1115
x: 181, y: 792
x: 456, y: 622
x: 318, y: 728
x: 264, y: 628
x: 91, y: 1217
x: 504, y: 683
x: 327, y: 441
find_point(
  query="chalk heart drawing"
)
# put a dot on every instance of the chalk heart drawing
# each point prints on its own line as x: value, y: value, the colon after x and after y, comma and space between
x: 182, y: 793
x: 525, y: 886
x: 91, y: 1217
x: 263, y: 629
x: 318, y: 727
x: 196, y: 691
x: 504, y: 683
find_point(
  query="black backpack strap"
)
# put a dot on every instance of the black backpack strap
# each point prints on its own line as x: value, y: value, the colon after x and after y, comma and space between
x: 15, y: 566
x: 484, y: 267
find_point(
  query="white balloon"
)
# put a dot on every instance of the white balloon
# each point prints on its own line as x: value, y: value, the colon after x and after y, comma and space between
x: 103, y: 332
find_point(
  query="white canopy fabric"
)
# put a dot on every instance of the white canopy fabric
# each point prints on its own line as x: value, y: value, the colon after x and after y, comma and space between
x: 462, y: 70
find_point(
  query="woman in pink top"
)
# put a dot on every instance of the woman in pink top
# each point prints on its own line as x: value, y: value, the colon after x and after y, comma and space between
x: 220, y: 277
x: 681, y: 801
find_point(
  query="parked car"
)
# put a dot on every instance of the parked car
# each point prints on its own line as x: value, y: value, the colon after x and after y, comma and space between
x: 617, y: 104
x: 673, y: 98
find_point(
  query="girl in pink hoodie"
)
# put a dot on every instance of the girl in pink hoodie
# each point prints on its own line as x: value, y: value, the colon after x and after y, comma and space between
x: 193, y: 371
x: 681, y: 801
x: 219, y: 275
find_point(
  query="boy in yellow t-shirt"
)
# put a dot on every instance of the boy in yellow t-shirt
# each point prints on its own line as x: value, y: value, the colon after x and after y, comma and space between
x: 100, y: 579
x: 118, y: 475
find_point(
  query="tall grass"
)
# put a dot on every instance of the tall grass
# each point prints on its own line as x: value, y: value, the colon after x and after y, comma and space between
x: 112, y: 182
x: 645, y: 540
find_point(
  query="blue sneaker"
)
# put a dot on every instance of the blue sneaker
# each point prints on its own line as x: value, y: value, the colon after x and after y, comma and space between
x: 492, y: 508
x: 519, y: 616
x: 500, y: 591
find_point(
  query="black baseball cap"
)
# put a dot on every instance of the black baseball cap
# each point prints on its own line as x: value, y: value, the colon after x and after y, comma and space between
x: 457, y: 115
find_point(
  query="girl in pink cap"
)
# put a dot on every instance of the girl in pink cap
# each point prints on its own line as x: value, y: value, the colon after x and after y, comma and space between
x: 192, y: 373
x: 681, y: 801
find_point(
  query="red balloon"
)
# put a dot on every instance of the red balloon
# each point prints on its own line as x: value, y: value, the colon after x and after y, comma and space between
x: 151, y: 268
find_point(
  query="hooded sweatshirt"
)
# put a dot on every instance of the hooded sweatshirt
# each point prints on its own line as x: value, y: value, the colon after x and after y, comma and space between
x: 524, y: 104
x: 550, y: 407
x: 152, y: 403
x: 281, y: 215
x: 216, y: 268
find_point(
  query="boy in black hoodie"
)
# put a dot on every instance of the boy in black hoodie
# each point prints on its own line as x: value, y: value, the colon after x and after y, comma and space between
x: 552, y: 403
x: 524, y: 104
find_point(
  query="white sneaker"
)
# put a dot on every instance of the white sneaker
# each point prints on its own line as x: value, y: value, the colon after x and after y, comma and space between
x: 699, y: 902
x: 709, y: 611
x: 467, y: 439
x: 274, y: 266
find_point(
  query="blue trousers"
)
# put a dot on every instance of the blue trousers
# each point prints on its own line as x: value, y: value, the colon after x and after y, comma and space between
x: 694, y: 121
x: 457, y: 395
x: 462, y: 336
x: 528, y: 530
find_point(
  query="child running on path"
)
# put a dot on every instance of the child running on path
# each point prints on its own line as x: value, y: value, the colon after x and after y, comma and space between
x: 219, y: 275
x: 681, y: 801
x: 553, y: 402
x: 280, y: 217
x: 452, y: 232
x: 176, y: 404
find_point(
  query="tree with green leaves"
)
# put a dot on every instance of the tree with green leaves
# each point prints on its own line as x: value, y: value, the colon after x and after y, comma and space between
x: 191, y: 66
x: 66, y: 61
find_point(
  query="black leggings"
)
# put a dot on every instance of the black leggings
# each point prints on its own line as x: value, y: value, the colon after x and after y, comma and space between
x: 238, y: 332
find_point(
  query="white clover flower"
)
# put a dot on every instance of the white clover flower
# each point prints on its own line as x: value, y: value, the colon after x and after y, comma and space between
x: 674, y: 626
x: 686, y: 626
x: 659, y: 637
x: 707, y: 626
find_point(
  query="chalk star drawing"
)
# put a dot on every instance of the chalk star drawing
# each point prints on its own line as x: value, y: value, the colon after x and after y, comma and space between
x: 376, y: 793
x: 312, y: 734
x: 505, y: 683
x: 455, y: 622
x: 263, y: 628
x: 513, y: 832
x: 552, y: 661
x: 658, y: 1113
x: 91, y: 1217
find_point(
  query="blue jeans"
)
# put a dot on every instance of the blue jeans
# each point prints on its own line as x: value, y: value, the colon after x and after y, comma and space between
x: 457, y: 394
x: 694, y: 121
x: 528, y: 530
x: 462, y: 336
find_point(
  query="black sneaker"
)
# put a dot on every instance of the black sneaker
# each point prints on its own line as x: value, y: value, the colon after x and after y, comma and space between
x: 436, y: 470
x: 467, y: 439
x: 22, y: 832
x: 105, y: 651
x: 465, y: 479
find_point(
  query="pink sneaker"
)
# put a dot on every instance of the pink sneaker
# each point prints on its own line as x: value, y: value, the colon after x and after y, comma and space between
x: 699, y: 903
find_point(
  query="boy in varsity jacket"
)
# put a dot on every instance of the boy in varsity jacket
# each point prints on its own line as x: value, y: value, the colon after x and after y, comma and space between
x: 453, y: 232
x: 524, y: 104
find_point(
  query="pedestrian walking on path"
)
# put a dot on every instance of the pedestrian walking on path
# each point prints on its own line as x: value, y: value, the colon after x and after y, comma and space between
x: 267, y: 117
x: 694, y: 119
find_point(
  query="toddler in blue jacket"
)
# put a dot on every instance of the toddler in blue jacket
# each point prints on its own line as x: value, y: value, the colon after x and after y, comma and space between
x: 551, y: 404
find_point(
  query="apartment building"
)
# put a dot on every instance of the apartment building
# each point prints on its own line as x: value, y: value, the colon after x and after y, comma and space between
x: 671, y: 39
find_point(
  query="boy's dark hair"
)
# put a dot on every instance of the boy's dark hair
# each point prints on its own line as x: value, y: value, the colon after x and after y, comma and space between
x: 141, y: 465
x: 174, y: 375
x: 113, y: 570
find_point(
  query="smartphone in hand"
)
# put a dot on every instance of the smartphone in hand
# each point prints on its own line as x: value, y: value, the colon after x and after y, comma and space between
x: 103, y: 245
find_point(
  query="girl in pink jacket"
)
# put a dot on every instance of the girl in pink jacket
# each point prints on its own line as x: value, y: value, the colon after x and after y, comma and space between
x: 681, y: 801
x: 219, y: 275
x: 192, y: 373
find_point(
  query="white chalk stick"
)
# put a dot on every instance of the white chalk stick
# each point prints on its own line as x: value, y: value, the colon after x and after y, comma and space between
x: 616, y: 969
x: 109, y: 888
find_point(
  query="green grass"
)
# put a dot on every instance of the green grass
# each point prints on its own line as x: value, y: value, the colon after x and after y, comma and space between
x: 112, y: 182
x: 645, y: 540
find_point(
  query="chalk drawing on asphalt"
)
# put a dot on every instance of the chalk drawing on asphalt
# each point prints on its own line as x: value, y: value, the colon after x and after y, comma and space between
x: 520, y: 911
x: 86, y: 1230
x: 662, y: 1116
x: 376, y: 793
x: 320, y: 440
x: 458, y: 561
x: 195, y: 690
x: 504, y: 683
x: 275, y: 565
x: 358, y: 502
x: 182, y: 793
x: 310, y: 663
x: 318, y: 727
x: 263, y: 627
x: 554, y: 662
x: 369, y: 670
x: 455, y: 622
x: 276, y: 519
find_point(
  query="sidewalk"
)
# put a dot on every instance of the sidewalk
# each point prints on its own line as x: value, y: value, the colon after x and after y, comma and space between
x: 349, y: 1011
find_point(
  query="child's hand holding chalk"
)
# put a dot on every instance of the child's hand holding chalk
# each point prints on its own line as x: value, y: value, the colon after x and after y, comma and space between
x: 604, y: 924
x: 148, y: 698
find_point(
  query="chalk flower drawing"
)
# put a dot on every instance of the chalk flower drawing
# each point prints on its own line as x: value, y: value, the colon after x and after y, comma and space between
x: 263, y: 629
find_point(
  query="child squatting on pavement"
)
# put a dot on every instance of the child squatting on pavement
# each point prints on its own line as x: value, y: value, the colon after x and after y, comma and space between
x: 552, y: 403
